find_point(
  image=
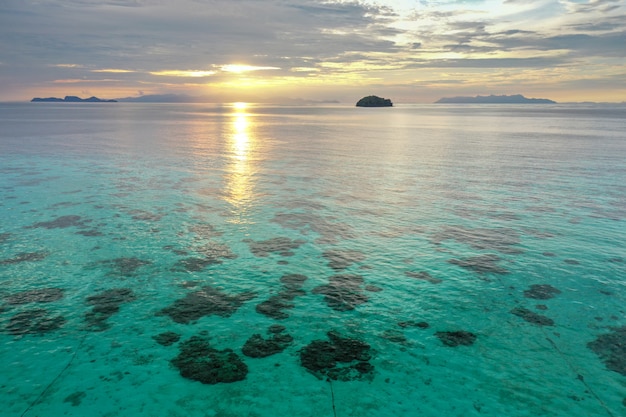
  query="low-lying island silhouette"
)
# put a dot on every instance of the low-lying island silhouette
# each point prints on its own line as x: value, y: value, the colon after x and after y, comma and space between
x: 71, y: 99
x: 374, y: 101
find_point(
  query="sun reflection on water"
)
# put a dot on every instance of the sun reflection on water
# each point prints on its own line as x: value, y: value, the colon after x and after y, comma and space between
x: 240, y: 173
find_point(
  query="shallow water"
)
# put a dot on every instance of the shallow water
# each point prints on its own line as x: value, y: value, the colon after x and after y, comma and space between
x: 450, y: 260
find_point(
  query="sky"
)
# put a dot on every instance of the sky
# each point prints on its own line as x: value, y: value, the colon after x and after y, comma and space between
x: 271, y: 50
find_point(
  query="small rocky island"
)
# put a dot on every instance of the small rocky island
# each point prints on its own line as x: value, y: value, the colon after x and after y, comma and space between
x: 71, y: 99
x: 512, y: 99
x: 374, y: 101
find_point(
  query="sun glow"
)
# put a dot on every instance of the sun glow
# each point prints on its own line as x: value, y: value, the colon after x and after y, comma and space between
x: 187, y: 73
x: 238, y: 69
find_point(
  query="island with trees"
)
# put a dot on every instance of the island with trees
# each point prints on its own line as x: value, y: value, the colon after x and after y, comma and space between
x: 374, y: 101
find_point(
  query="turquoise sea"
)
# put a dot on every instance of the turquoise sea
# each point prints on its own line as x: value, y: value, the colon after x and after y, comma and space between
x: 246, y: 260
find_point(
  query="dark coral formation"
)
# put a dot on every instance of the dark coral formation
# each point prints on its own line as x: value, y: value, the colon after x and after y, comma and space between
x: 503, y: 240
x: 125, y: 266
x: 167, y: 338
x: 39, y: 295
x: 25, y: 257
x: 204, y: 302
x: 106, y: 304
x: 61, y: 223
x: 532, y: 317
x: 541, y: 292
x: 198, y: 361
x: 330, y: 231
x: 482, y: 264
x: 343, y: 292
x: 280, y: 245
x: 341, y: 259
x: 611, y: 348
x: 4, y: 237
x: 456, y: 338
x: 36, y: 321
x: 424, y: 276
x: 274, y: 306
x: 210, y: 254
x: 340, y: 358
x: 258, y: 347
x: 419, y: 324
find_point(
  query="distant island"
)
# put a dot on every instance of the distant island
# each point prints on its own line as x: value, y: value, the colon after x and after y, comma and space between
x: 513, y: 99
x: 374, y: 101
x: 71, y: 99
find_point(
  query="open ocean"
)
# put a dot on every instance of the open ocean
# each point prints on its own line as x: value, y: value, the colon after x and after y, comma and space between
x: 203, y: 260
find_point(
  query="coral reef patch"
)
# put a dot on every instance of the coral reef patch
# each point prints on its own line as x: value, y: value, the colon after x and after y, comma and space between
x: 532, y: 317
x: 343, y: 292
x: 424, y: 276
x: 166, y: 338
x: 541, y: 292
x: 204, y: 302
x: 39, y: 295
x: 341, y: 259
x: 503, y: 240
x: 482, y: 264
x: 611, y: 348
x: 339, y: 358
x: 25, y: 257
x: 280, y: 245
x: 258, y: 347
x: 36, y: 321
x: 200, y: 362
x: 274, y: 306
x: 456, y: 338
x: 61, y: 223
x: 106, y: 304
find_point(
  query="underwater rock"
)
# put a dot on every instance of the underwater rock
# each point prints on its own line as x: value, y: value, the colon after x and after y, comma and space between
x: 198, y: 361
x: 532, y: 317
x: 611, y: 348
x: 61, y: 223
x: 424, y: 276
x: 340, y: 358
x: 456, y: 338
x: 25, y: 257
x: 343, y: 292
x: 281, y: 245
x: 35, y: 321
x: 541, y: 292
x: 39, y: 295
x: 258, y: 347
x: 207, y: 301
x: 341, y: 259
x: 373, y: 288
x: 274, y: 306
x: 481, y: 264
x: 105, y: 305
x: 167, y: 338
x: 503, y: 240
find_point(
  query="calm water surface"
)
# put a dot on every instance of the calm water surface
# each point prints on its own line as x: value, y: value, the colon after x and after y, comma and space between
x: 202, y: 260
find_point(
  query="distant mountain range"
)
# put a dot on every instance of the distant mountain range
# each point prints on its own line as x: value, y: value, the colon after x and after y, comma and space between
x: 513, y: 99
x: 72, y: 99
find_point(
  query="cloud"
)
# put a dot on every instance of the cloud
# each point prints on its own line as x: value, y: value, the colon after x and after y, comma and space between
x: 142, y: 44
